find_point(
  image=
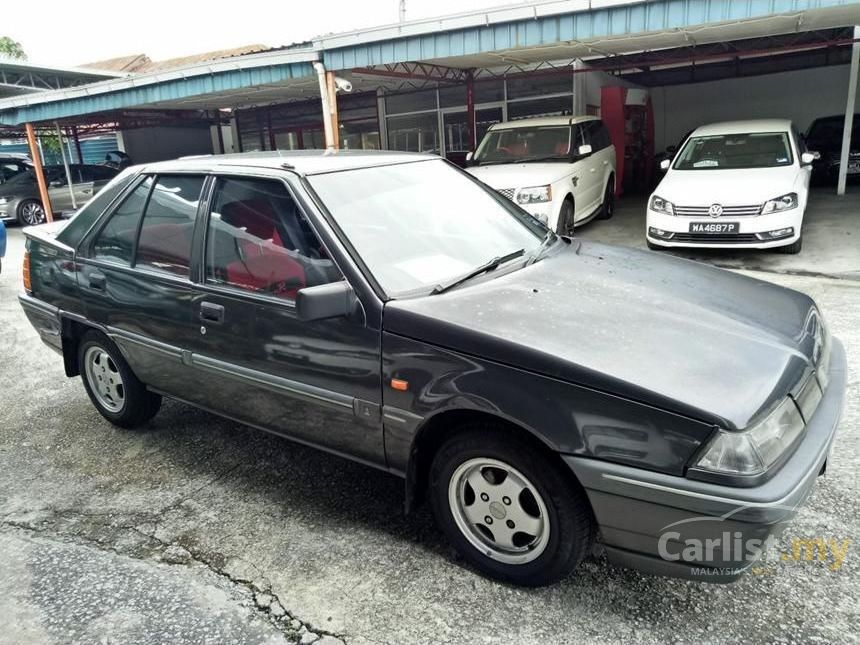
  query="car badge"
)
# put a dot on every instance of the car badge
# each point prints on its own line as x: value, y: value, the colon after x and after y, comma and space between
x: 715, y: 210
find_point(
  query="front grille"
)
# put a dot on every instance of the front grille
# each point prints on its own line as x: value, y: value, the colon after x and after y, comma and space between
x: 507, y: 193
x: 706, y: 238
x: 728, y: 211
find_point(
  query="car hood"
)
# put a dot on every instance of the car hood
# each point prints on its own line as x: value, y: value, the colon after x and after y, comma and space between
x: 683, y: 336
x: 727, y: 187
x: 520, y: 175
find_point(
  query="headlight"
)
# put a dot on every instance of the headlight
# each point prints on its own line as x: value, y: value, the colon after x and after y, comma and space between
x: 753, y: 451
x: 534, y: 194
x: 661, y: 205
x: 783, y: 203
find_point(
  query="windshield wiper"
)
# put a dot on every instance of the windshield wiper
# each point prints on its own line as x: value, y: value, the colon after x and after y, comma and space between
x: 543, y: 158
x: 547, y: 242
x: 492, y: 265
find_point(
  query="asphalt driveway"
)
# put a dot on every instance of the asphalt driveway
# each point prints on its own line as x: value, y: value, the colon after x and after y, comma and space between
x: 200, y: 530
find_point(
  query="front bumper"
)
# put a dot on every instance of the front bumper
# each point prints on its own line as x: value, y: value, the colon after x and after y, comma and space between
x: 748, y: 227
x: 647, y: 519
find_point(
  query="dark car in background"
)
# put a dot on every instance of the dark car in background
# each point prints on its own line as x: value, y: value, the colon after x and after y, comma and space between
x: 540, y: 390
x: 11, y: 165
x: 825, y: 137
x: 19, y: 195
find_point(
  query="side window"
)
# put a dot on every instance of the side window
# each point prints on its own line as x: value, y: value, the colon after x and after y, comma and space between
x: 82, y: 174
x: 116, y: 240
x: 258, y: 240
x: 168, y: 225
x: 101, y: 173
x: 597, y: 135
x: 579, y: 137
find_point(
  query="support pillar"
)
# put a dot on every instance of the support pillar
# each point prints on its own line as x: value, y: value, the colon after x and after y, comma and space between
x: 77, y: 141
x: 849, y: 113
x: 470, y: 110
x: 69, y: 183
x: 39, y: 172
x: 332, y: 106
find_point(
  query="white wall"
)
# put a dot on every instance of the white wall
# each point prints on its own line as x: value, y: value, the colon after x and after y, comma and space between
x: 801, y: 96
x: 145, y: 145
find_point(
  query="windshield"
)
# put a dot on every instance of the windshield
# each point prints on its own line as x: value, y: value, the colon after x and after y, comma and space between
x: 827, y: 133
x: 417, y: 225
x: 510, y: 145
x: 735, y: 152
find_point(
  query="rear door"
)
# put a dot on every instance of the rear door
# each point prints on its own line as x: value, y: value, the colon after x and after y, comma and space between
x: 83, y: 176
x: 584, y: 193
x: 58, y: 187
x: 134, y: 278
x: 318, y: 382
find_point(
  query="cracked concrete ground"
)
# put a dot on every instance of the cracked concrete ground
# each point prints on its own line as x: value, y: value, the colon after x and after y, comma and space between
x: 200, y: 530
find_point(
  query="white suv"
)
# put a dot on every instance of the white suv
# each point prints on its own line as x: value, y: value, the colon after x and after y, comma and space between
x: 742, y: 184
x: 560, y: 169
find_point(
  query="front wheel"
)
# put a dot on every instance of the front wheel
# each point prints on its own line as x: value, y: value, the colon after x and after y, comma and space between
x: 113, y: 388
x: 30, y: 213
x: 793, y: 248
x: 565, y: 223
x: 510, y: 510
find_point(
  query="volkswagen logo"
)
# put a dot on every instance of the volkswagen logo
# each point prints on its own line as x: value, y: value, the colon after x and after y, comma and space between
x: 715, y: 210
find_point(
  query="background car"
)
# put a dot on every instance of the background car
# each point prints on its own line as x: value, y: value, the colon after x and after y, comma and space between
x: 742, y: 184
x: 19, y: 195
x: 11, y: 165
x: 825, y: 137
x: 560, y: 169
x: 2, y: 243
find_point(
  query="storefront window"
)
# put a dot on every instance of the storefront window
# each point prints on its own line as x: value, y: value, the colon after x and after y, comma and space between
x: 411, y: 102
x: 414, y: 133
x: 491, y: 91
x: 539, y: 84
x: 540, y: 107
x: 360, y: 135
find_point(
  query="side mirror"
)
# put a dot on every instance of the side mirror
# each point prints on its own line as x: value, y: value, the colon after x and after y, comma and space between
x: 583, y: 151
x: 808, y: 157
x: 470, y: 155
x: 326, y: 301
x: 664, y: 165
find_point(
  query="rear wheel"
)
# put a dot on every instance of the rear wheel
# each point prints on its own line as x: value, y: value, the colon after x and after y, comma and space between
x: 607, y: 209
x: 565, y: 223
x: 30, y: 213
x: 111, y: 385
x: 508, y: 508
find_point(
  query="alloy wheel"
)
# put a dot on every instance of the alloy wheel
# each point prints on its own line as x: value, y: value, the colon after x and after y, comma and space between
x: 33, y: 213
x: 499, y: 511
x: 104, y: 379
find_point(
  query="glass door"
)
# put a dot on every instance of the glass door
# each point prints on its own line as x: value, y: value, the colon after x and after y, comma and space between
x: 455, y: 130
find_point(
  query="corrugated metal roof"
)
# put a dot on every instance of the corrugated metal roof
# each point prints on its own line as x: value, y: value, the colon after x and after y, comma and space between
x: 142, y: 64
x: 542, y: 24
x: 207, y: 78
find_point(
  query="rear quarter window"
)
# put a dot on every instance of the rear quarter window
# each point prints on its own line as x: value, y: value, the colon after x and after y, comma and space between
x: 87, y: 215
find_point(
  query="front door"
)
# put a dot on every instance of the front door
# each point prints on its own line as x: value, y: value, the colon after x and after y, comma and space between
x: 317, y: 382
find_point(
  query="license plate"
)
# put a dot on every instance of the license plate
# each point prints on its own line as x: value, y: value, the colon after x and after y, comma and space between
x: 718, y: 228
x: 854, y: 167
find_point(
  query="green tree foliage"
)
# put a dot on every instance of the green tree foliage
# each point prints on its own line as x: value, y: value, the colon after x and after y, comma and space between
x: 11, y: 48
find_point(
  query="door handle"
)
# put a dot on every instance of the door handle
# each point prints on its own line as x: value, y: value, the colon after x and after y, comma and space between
x: 87, y: 191
x: 211, y: 313
x: 98, y: 281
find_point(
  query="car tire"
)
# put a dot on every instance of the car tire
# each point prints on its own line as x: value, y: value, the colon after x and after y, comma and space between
x: 607, y: 208
x: 115, y: 391
x: 565, y: 224
x: 793, y: 248
x: 30, y: 212
x: 550, y: 505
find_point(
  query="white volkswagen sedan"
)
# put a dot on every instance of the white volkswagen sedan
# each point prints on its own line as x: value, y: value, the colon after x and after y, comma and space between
x: 742, y: 184
x: 560, y: 169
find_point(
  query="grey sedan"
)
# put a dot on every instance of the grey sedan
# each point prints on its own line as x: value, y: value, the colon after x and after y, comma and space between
x: 19, y: 196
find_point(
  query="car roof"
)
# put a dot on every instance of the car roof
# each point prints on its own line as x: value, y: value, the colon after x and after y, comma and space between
x: 543, y: 121
x: 303, y: 162
x: 743, y: 127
